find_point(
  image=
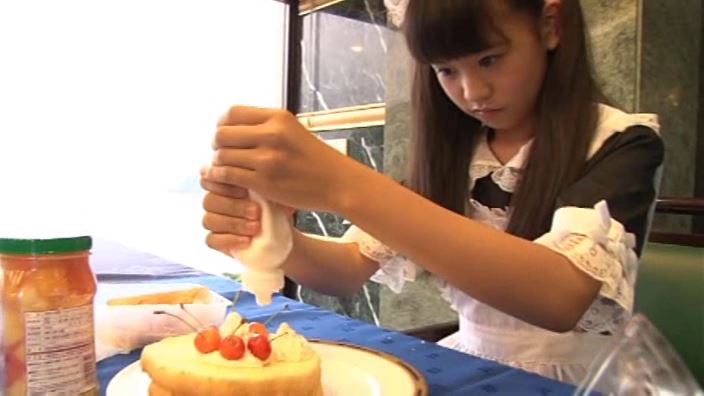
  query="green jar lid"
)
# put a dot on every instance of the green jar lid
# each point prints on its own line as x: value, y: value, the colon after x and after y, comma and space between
x: 45, y: 246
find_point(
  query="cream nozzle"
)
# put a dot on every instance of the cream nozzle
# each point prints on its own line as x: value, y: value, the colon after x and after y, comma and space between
x: 267, y: 251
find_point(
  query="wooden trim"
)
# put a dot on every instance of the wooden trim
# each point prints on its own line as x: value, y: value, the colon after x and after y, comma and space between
x: 677, y: 205
x: 694, y: 240
x: 292, y: 95
x: 345, y: 118
x: 309, y: 6
x: 293, y: 61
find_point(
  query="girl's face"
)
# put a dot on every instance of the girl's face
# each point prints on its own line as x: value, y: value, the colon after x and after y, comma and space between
x: 500, y: 85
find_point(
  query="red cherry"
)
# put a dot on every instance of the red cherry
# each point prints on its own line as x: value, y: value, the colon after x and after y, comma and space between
x: 232, y: 347
x: 259, y: 346
x: 258, y: 328
x: 208, y: 340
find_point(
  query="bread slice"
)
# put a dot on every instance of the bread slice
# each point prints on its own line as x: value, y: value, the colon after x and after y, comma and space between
x: 192, y: 295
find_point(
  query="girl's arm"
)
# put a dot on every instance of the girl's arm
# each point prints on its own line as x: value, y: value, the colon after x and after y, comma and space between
x: 334, y: 268
x: 516, y: 276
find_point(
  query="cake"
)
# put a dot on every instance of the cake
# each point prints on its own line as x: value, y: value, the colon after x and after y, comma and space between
x: 237, y: 358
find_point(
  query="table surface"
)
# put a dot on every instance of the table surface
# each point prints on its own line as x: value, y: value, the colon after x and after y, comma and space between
x: 446, y: 371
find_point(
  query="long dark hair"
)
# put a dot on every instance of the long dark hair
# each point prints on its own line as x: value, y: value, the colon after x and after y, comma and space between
x: 445, y: 137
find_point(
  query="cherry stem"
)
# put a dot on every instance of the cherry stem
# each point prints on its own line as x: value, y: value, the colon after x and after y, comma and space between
x: 191, y: 315
x: 277, y: 336
x: 177, y: 317
x: 285, y: 307
x: 237, y: 328
x: 237, y: 297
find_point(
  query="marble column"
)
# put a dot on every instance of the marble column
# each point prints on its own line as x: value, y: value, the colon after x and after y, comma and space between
x: 642, y: 71
x: 420, y: 303
x: 613, y: 29
x: 344, y: 53
x: 670, y: 65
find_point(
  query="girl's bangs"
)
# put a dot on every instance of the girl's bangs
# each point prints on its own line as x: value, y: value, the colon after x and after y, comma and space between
x: 443, y: 30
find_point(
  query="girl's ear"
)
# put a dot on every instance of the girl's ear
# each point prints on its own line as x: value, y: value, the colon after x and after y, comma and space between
x: 551, y: 22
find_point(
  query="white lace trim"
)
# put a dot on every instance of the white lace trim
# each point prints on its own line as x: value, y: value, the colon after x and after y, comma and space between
x: 599, y: 246
x: 494, y: 217
x: 394, y: 269
x: 395, y: 272
x: 505, y: 176
x: 612, y: 121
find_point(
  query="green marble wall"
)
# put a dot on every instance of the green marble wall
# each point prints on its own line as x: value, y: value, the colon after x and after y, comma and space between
x: 343, y: 51
x: 613, y: 30
x: 670, y: 80
x: 420, y: 303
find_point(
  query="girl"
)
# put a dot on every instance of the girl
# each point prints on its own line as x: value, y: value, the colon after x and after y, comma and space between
x: 514, y: 165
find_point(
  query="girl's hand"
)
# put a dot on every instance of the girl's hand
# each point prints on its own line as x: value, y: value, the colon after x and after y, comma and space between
x: 230, y: 216
x: 270, y: 152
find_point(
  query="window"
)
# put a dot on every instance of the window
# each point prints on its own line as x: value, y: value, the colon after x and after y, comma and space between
x: 108, y: 108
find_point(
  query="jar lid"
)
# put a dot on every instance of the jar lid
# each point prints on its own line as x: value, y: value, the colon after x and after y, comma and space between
x: 45, y: 246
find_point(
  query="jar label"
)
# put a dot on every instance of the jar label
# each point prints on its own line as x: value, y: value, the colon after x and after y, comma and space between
x: 60, y: 351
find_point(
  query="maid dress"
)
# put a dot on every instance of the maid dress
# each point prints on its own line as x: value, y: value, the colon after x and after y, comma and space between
x: 600, y: 224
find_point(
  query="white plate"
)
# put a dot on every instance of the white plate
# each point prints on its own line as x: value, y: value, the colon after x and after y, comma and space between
x: 347, y: 370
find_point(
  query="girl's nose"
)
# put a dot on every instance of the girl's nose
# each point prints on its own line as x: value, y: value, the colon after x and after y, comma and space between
x: 475, y: 90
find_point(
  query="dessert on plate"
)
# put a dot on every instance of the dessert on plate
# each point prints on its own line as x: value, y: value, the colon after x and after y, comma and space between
x: 239, y: 358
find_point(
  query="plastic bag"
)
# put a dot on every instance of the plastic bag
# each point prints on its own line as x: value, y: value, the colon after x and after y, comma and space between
x: 124, y: 328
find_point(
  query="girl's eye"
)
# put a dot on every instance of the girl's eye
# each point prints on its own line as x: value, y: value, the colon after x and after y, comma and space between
x: 443, y: 71
x: 489, y: 60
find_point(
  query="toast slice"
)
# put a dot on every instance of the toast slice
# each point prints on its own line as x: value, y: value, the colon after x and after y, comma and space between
x: 192, y: 295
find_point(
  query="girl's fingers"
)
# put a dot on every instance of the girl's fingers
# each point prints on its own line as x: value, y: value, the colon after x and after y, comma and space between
x: 226, y: 243
x: 232, y: 207
x: 220, y: 224
x: 246, y: 115
x: 225, y: 190
x: 231, y: 175
x: 240, y: 158
x: 238, y: 136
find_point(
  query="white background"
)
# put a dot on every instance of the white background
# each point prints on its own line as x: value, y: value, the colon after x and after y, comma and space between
x: 108, y: 108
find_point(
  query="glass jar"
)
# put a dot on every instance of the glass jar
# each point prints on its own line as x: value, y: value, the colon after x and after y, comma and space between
x: 47, y: 307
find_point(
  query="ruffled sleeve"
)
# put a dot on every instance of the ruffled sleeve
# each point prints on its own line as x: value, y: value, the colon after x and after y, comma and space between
x: 623, y: 172
x: 599, y: 246
x: 394, y: 269
x: 620, y: 184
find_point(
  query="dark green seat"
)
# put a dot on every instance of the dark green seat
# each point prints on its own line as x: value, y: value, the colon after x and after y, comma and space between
x: 670, y: 292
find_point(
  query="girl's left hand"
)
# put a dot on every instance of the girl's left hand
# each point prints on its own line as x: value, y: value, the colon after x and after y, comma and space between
x: 269, y: 151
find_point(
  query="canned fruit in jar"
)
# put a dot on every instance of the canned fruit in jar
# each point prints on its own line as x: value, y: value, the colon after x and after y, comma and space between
x: 52, y: 282
x: 47, y: 309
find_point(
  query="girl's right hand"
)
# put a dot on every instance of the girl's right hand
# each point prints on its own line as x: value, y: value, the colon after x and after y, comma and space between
x: 232, y: 218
